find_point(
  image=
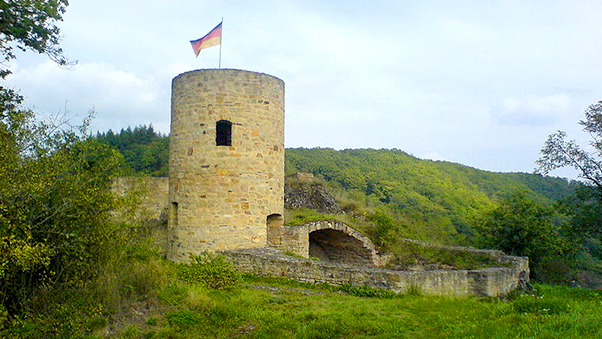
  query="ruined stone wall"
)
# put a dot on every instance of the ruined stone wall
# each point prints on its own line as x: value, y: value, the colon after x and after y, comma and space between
x: 290, y: 238
x: 148, y: 194
x: 221, y: 196
x: 481, y: 282
x: 314, y: 196
x: 146, y: 205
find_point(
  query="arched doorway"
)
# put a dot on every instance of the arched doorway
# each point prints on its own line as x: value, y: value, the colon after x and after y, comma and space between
x: 274, y: 223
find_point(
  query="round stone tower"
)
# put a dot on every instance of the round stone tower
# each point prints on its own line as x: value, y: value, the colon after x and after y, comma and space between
x: 226, y: 160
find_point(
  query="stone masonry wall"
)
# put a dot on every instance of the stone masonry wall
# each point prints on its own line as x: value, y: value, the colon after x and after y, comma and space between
x: 481, y: 282
x: 148, y: 197
x: 220, y: 196
x: 150, y: 194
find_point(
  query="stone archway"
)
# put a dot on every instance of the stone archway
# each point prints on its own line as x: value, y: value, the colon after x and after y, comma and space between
x: 337, y: 246
x: 337, y: 242
x: 330, y: 241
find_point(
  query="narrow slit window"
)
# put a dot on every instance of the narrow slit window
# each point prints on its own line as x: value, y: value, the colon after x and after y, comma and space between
x: 223, y: 135
x: 173, y: 215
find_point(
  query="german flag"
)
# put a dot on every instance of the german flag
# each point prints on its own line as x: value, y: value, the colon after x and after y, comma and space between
x: 212, y: 38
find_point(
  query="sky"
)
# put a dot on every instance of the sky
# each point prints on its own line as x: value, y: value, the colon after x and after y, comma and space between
x: 481, y: 83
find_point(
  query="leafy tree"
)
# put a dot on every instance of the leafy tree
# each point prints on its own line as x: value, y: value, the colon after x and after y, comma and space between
x: 55, y: 194
x: 55, y: 202
x: 524, y: 227
x: 584, y: 209
x: 27, y: 25
x: 31, y: 25
x: 585, y: 206
x: 558, y: 152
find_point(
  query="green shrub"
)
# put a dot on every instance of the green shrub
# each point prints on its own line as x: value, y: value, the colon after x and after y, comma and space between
x: 67, y: 312
x: 522, y: 226
x: 55, y: 203
x: 211, y: 270
x: 135, y: 271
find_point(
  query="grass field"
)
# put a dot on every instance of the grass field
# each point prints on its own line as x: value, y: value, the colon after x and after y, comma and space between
x: 154, y: 298
x: 272, y: 308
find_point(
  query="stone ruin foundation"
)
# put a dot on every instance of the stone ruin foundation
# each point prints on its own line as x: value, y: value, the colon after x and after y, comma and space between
x: 347, y: 256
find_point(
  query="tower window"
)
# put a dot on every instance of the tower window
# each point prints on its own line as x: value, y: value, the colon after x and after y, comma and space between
x: 173, y: 215
x: 223, y: 133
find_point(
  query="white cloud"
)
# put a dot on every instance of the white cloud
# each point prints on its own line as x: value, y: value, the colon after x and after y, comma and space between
x: 532, y: 110
x: 119, y: 97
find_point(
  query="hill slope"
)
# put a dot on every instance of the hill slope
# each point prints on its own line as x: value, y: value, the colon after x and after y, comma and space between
x: 435, y: 200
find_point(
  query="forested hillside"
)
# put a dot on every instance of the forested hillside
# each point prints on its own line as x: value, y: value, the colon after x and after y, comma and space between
x: 145, y: 150
x: 385, y: 171
x: 438, y: 200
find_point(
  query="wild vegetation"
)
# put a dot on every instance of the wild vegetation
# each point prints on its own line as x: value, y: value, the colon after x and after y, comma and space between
x: 153, y: 298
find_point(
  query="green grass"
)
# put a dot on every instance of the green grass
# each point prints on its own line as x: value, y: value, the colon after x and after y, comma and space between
x: 268, y: 307
x: 290, y: 313
x: 302, y: 216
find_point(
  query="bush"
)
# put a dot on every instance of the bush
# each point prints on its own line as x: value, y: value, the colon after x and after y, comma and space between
x: 521, y: 226
x: 211, y: 270
x: 55, y: 200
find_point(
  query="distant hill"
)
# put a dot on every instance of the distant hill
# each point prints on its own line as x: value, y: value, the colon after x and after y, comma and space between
x: 435, y: 200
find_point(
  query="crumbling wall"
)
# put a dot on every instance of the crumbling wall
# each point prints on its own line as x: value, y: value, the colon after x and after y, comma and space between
x: 303, y: 192
x: 493, y: 282
x: 146, y: 204
x: 147, y: 194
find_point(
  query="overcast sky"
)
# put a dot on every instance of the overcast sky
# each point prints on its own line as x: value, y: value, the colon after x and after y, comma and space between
x: 481, y: 83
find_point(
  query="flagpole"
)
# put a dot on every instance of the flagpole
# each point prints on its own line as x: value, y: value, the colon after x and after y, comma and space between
x: 221, y: 42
